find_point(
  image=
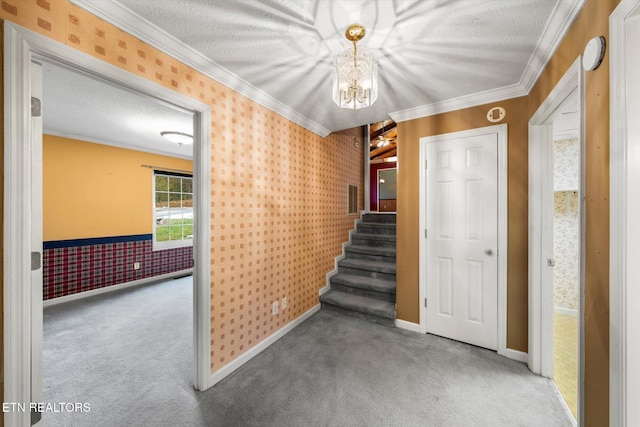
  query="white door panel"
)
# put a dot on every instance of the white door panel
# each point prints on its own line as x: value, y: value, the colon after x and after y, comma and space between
x: 462, y: 210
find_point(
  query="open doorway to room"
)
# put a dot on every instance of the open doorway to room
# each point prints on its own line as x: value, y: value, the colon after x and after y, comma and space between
x: 383, y: 140
x: 23, y: 204
x: 556, y: 243
x: 566, y: 250
x: 117, y: 212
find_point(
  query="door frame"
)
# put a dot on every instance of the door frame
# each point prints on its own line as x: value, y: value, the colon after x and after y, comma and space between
x: 502, y: 133
x: 624, y: 349
x: 541, y: 308
x: 20, y: 46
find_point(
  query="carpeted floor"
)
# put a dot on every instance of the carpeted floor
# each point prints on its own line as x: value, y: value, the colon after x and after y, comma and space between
x: 129, y: 356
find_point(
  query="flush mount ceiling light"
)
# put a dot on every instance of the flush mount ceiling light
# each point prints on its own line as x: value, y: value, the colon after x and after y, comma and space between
x: 355, y: 80
x: 179, y: 138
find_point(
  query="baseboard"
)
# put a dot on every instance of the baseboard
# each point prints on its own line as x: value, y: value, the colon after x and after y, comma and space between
x: 112, y: 288
x: 565, y: 311
x: 564, y: 404
x: 520, y: 356
x: 259, y: 348
x: 409, y: 326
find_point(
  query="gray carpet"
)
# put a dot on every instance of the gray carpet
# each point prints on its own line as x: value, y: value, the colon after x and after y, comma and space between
x: 129, y: 355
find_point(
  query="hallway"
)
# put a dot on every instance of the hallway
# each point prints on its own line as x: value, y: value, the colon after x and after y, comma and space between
x: 129, y: 356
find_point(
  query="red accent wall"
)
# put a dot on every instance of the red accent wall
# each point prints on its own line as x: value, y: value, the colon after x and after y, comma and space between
x: 74, y: 266
x: 373, y: 182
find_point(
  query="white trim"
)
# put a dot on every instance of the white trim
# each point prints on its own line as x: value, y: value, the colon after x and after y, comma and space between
x: 202, y: 246
x: 409, y: 326
x: 541, y: 297
x: 134, y: 24
x: 118, y: 287
x: 563, y: 402
x: 454, y: 104
x: 621, y: 257
x: 562, y: 18
x: 20, y: 45
x: 327, y: 287
x: 17, y: 225
x: 541, y: 307
x: 557, y: 26
x: 127, y: 146
x: 519, y: 356
x: 236, y: 363
x: 502, y: 134
x: 566, y: 311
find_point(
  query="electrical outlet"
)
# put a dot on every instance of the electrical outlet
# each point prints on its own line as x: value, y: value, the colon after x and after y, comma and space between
x: 284, y: 303
x: 274, y: 308
x: 136, y: 266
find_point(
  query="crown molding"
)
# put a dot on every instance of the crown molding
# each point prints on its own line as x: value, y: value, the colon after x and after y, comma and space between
x: 557, y: 26
x: 117, y: 144
x: 561, y: 19
x: 118, y: 15
x: 453, y: 104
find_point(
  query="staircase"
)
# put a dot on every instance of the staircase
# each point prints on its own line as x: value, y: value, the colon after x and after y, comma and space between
x: 365, y: 285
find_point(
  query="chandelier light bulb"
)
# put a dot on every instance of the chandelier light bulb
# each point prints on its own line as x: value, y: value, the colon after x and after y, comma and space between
x: 355, y: 82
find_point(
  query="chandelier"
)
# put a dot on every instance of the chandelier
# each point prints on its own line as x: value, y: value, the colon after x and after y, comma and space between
x: 355, y: 82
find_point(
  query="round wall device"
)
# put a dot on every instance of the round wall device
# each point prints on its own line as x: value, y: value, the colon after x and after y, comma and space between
x: 593, y: 53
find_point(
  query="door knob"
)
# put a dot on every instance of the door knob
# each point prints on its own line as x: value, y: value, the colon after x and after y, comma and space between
x: 488, y: 252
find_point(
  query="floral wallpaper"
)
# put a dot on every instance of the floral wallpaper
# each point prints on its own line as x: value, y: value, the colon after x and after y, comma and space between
x: 565, y: 164
x: 566, y: 224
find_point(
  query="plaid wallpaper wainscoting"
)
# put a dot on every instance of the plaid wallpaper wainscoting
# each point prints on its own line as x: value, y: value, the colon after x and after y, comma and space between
x: 72, y: 266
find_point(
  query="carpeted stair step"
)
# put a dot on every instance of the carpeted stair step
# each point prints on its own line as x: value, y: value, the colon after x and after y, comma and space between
x: 367, y: 239
x: 376, y: 228
x: 373, y: 253
x: 379, y: 218
x: 382, y: 312
x: 384, y: 290
x: 368, y: 268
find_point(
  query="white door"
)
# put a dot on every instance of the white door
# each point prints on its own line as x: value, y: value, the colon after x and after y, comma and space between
x: 462, y: 239
x: 36, y: 237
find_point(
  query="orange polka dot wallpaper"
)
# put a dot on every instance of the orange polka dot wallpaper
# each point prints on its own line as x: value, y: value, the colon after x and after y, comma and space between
x: 278, y: 191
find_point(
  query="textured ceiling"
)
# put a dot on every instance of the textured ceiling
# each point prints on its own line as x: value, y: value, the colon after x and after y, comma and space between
x: 433, y: 56
x: 82, y: 107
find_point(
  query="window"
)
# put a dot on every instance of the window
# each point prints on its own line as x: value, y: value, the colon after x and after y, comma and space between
x: 173, y: 210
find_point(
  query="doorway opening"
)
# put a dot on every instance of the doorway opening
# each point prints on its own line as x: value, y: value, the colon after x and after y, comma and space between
x: 566, y: 250
x: 556, y: 249
x: 22, y: 344
x: 98, y: 205
x: 382, y: 164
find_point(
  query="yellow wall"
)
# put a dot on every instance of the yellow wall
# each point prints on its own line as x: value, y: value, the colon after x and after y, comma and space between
x: 93, y: 190
x: 278, y: 191
x: 592, y: 21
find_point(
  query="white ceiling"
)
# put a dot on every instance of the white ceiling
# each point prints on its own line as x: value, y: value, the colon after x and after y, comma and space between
x: 82, y: 107
x: 433, y: 55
